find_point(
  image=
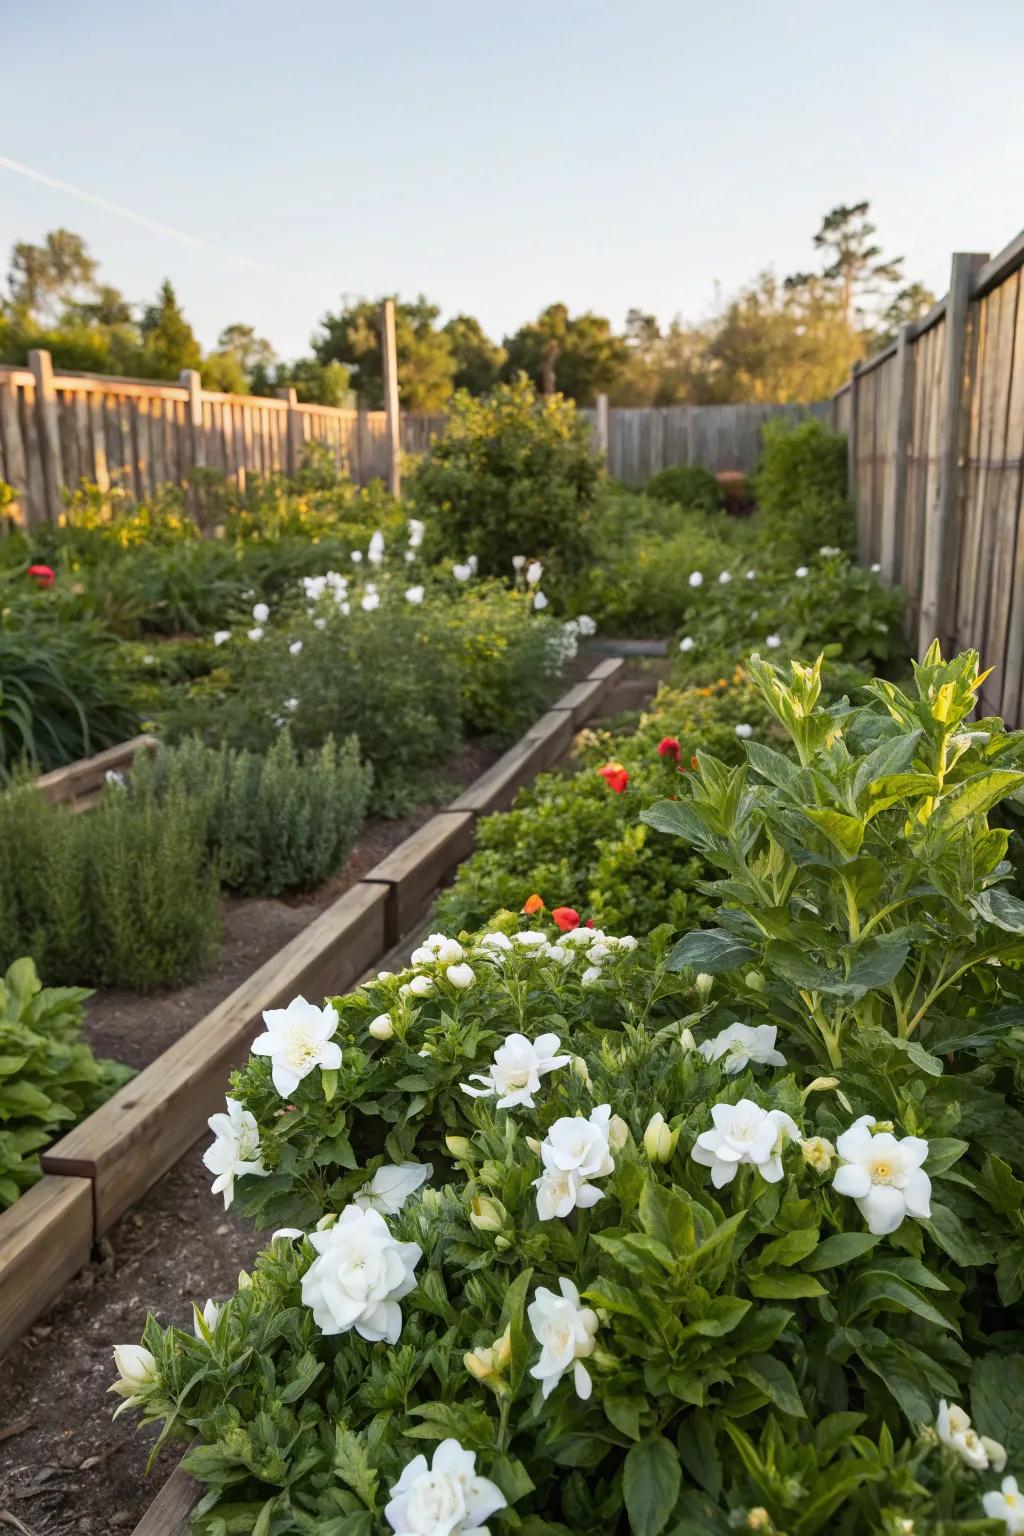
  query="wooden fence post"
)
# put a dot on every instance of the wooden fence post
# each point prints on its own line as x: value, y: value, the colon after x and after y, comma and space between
x: 295, y: 437
x: 937, y: 580
x: 851, y: 456
x: 41, y: 364
x: 894, y: 507
x: 602, y: 427
x: 190, y: 380
x: 389, y: 357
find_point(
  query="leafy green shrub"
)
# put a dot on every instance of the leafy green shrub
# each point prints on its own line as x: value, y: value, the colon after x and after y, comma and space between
x: 801, y: 489
x: 49, y: 1078
x: 711, y: 1239
x: 687, y: 485
x: 575, y: 841
x: 121, y: 896
x: 274, y: 824
x: 514, y: 474
x: 63, y: 692
x: 509, y: 659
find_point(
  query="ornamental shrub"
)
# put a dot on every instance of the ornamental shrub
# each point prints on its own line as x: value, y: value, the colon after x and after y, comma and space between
x: 801, y: 490
x: 509, y: 659
x: 273, y: 824
x: 514, y: 474
x: 49, y: 1078
x: 642, y: 1240
x: 687, y: 485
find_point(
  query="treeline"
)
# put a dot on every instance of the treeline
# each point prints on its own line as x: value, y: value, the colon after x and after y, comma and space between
x: 778, y: 339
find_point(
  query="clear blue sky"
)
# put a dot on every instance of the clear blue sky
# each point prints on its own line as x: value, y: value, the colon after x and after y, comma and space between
x: 499, y: 157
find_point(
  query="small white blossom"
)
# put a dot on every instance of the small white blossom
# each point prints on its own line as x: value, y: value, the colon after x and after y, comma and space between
x: 773, y: 642
x: 696, y: 579
x: 744, y: 731
x: 319, y: 623
x: 1006, y: 1503
x: 566, y: 1333
x: 801, y: 571
x: 220, y: 636
x: 420, y: 986
x: 359, y: 1276
x: 534, y: 572
x: 410, y: 556
x: 136, y: 1366
x: 954, y: 1429
x: 531, y: 940
x: 391, y: 1187
x: 261, y: 613
x: 295, y: 649
x: 827, y: 551
x: 375, y: 552
x: 443, y: 1498
x: 586, y: 625
x: 496, y: 942
x: 414, y: 594
x: 876, y: 568
x: 750, y: 575
x: 740, y: 1043
x: 884, y: 1174
x: 461, y: 976
x: 539, y: 601
x: 518, y: 1066
x: 357, y: 557
x: 235, y: 1152
x: 724, y: 578
x: 687, y: 643
x: 255, y: 633
x: 370, y: 601
x: 463, y: 571
x: 590, y: 976
x: 381, y: 1028
x: 518, y: 561
x: 208, y: 1317
x: 297, y: 1039
x: 743, y: 1133
x: 416, y: 532
x: 573, y: 1152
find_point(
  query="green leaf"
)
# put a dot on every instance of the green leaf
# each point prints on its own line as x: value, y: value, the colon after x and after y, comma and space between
x: 964, y: 1248
x: 790, y: 1248
x: 998, y: 906
x: 676, y: 819
x: 651, y: 1479
x: 1010, y: 1274
x: 781, y: 1286
x: 879, y: 1292
x: 775, y: 1380
x: 997, y: 1401
x: 624, y: 1413
x: 841, y: 1248
x: 711, y: 950
x: 352, y: 1466
x: 846, y: 833
x: 976, y: 796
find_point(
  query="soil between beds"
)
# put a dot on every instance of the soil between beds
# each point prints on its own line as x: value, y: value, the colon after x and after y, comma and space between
x: 64, y: 1467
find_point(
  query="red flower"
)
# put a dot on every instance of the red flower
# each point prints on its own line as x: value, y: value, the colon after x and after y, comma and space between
x: 669, y: 746
x: 42, y: 575
x: 533, y: 904
x: 615, y: 776
x: 589, y: 923
x: 565, y: 918
x: 694, y: 763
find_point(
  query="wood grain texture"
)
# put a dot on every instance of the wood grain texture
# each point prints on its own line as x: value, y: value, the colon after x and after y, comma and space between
x: 581, y: 700
x: 554, y: 732
x: 412, y: 872
x: 45, y: 1238
x: 496, y: 789
x: 127, y: 1144
x: 170, y: 1512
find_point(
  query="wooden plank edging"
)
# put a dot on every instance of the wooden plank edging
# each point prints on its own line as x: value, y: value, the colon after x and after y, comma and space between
x: 87, y: 776
x: 45, y: 1239
x: 169, y: 1514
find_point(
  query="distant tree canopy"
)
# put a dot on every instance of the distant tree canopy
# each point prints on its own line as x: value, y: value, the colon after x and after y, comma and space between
x: 785, y: 339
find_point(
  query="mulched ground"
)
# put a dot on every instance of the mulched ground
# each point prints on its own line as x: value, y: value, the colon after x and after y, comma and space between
x: 64, y: 1467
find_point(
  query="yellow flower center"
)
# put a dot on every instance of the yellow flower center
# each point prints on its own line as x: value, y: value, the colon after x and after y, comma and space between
x: 881, y: 1173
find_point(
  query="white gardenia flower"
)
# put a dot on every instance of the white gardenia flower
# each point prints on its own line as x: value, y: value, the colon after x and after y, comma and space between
x: 954, y: 1429
x: 574, y: 1152
x: 414, y: 594
x: 255, y: 633
x: 496, y: 942
x: 687, y: 643
x: 448, y: 951
x: 391, y: 1187
x: 750, y: 575
x: 828, y: 550
x: 416, y: 532
x: 801, y: 571
x: 566, y: 1332
x: 473, y: 562
x: 375, y: 552
x: 221, y: 635
x: 420, y: 986
x: 884, y: 1174
x: 370, y: 601
x: 518, y: 1066
x: 462, y: 571
x: 261, y: 613
x: 297, y: 1039
x: 295, y: 649
x: 724, y: 578
x: 586, y: 625
x: 357, y: 557
x: 539, y: 601
x: 359, y: 1276
x: 208, y: 1316
x: 740, y: 1043
x: 743, y: 1133
x: 534, y: 572
x: 696, y: 579
x: 773, y: 642
x: 1006, y: 1503
x: 444, y: 1498
x: 410, y: 556
x: 235, y: 1153
x: 531, y: 940
x: 518, y: 561
x: 461, y: 976
x: 319, y: 623
x: 590, y: 976
x: 744, y: 731
x: 136, y: 1367
x: 876, y: 568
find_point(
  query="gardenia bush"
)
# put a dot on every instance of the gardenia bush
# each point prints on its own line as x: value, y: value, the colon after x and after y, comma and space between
x: 580, y: 1234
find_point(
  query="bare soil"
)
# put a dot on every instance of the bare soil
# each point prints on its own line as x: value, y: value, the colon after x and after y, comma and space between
x: 64, y: 1467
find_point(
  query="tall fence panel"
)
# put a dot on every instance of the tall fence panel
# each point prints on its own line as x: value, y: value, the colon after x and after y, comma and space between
x: 644, y: 440
x: 936, y: 424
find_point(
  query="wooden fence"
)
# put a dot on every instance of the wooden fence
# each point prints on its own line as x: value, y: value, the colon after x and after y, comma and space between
x: 57, y: 429
x: 936, y: 432
x: 640, y: 442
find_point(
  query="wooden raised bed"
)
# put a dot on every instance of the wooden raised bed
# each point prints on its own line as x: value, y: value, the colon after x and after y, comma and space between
x: 81, y: 784
x: 101, y: 1168
x: 169, y: 1514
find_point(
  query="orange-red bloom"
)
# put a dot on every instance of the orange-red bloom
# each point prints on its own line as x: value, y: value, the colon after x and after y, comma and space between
x: 615, y: 776
x: 565, y: 918
x: 694, y: 763
x: 533, y: 904
x: 669, y: 746
x: 42, y: 575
